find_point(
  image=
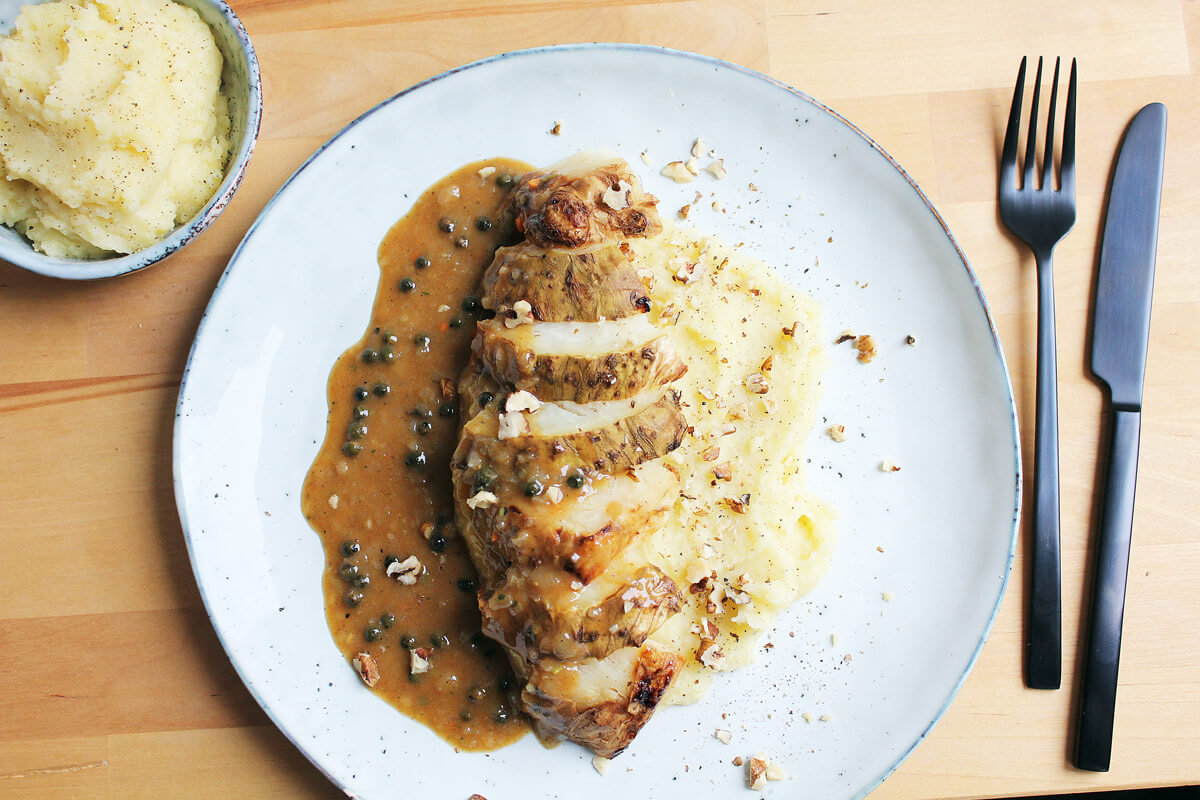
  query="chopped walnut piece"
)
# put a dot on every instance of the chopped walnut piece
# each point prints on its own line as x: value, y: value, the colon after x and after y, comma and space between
x: 845, y: 336
x: 865, y: 345
x: 768, y: 363
x: 522, y: 401
x: 600, y: 764
x: 512, y: 425
x: 791, y: 332
x: 449, y: 389
x: 738, y: 504
x: 558, y: 128
x: 420, y: 660
x: 709, y: 654
x: 758, y: 771
x: 724, y: 736
x: 692, y: 165
x: 698, y: 147
x: 367, y: 669
x: 554, y: 494
x: 738, y: 761
x: 837, y: 433
x: 723, y: 472
x: 677, y: 172
x: 910, y: 340
x: 482, y: 500
x: 757, y: 383
x: 711, y: 454
x: 646, y: 157
x: 775, y: 771
x: 717, y: 169
x: 888, y: 466
x: 522, y: 314
x: 685, y: 210
x: 333, y: 501
x: 407, y: 571
x: 487, y: 172
x: 427, y: 529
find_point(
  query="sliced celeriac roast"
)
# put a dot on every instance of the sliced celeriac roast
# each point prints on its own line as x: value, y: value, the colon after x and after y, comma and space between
x: 568, y: 410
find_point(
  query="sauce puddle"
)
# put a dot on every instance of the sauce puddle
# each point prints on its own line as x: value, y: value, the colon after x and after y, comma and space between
x: 379, y: 490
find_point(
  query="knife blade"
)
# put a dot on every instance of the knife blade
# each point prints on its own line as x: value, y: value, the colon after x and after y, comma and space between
x: 1120, y: 337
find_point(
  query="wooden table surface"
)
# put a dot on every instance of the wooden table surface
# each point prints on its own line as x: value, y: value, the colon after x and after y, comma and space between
x: 112, y: 682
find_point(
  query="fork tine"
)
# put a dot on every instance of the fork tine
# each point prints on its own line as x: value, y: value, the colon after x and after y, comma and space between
x: 1031, y: 137
x: 1008, y: 158
x: 1066, y: 180
x: 1048, y: 155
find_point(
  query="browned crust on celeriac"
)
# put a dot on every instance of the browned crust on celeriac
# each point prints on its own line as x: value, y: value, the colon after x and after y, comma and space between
x: 554, y: 210
x: 609, y: 727
x: 565, y: 286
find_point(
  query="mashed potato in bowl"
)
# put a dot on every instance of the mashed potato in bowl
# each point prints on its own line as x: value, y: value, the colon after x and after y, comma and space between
x: 113, y: 126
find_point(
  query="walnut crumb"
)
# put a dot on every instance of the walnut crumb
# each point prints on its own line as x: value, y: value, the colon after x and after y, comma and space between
x: 711, y: 454
x: 600, y: 764
x: 738, y: 504
x: 887, y: 465
x: 724, y: 736
x: 333, y: 501
x: 677, y: 172
x: 837, y: 433
x: 910, y: 340
x: 865, y: 345
x: 367, y: 669
x: 698, y: 147
x: 482, y: 499
x: 420, y: 660
x: 723, y: 472
x: 791, y: 332
x: 845, y: 336
x: 757, y: 383
x: 758, y: 771
x: 407, y: 572
x: 738, y: 761
x: 717, y: 169
x: 558, y: 128
x: 684, y: 211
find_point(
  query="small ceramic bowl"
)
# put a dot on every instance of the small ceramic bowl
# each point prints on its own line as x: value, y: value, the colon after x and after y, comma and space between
x: 243, y: 85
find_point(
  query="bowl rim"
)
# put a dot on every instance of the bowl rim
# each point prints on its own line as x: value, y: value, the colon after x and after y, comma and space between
x: 25, y: 257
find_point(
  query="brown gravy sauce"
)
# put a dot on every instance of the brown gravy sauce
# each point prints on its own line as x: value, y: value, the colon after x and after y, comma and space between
x: 380, y: 489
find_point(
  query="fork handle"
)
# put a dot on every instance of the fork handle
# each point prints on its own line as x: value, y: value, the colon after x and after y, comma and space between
x: 1093, y: 740
x: 1043, y: 646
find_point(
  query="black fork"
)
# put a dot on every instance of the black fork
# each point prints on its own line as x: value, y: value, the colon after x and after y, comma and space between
x: 1041, y: 216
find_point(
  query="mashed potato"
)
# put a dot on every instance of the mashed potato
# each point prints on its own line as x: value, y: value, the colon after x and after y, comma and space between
x: 113, y: 129
x: 747, y: 538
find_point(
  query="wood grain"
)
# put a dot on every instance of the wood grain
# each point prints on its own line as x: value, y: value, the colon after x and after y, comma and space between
x: 112, y: 682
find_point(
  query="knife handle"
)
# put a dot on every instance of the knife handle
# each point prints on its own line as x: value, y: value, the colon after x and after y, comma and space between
x: 1093, y: 741
x: 1043, y: 644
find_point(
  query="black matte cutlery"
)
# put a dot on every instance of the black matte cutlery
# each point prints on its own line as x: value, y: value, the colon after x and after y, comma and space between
x: 1120, y: 335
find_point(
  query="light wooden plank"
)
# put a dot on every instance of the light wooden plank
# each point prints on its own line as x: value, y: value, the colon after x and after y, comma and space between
x: 868, y: 49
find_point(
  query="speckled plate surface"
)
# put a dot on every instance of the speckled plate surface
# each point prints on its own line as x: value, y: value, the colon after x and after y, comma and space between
x: 924, y: 554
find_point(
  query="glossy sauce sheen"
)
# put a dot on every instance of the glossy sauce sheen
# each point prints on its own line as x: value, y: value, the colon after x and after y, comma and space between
x: 370, y: 498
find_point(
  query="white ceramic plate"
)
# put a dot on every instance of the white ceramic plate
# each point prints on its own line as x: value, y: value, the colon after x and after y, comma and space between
x: 807, y: 191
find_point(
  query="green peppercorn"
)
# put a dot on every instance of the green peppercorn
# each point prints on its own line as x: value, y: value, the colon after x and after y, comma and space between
x: 505, y: 181
x: 381, y: 389
x: 361, y: 412
x: 408, y: 641
x: 534, y: 488
x: 407, y: 284
x: 352, y: 448
x: 415, y: 458
x: 354, y: 597
x: 422, y: 411
x: 389, y: 337
x: 484, y: 224
x: 362, y: 580
x: 421, y: 263
x: 484, y: 478
x: 465, y: 716
x: 424, y: 427
x: 503, y: 715
x: 477, y: 694
x: 350, y: 547
x: 456, y: 322
x: 471, y: 305
x: 575, y: 480
x: 447, y: 410
x: 373, y: 633
x: 439, y: 640
x: 446, y: 225
x: 387, y: 355
x: 462, y: 242
x: 466, y: 584
x: 387, y: 619
x: 421, y: 340
x: 361, y: 393
x: 485, y: 398
x: 437, y: 543
x: 348, y: 571
x: 356, y: 430
x: 370, y: 356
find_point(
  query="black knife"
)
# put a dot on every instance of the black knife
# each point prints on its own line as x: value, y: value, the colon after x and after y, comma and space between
x: 1120, y: 334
